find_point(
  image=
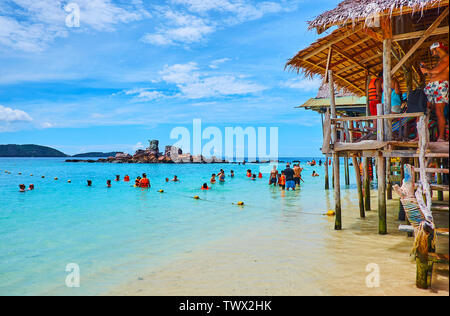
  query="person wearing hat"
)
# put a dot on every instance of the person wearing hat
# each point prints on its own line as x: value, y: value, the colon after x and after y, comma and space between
x: 437, y: 88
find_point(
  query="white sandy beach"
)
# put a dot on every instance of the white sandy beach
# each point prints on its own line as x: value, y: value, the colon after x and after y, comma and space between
x: 286, y: 259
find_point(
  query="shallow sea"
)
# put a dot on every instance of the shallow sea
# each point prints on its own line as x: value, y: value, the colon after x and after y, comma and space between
x: 114, y: 233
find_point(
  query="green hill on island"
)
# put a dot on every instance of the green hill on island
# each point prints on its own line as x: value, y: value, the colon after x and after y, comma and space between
x: 97, y: 154
x: 29, y: 151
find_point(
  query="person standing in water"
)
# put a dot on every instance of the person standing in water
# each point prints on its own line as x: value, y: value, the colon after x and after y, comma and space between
x: 273, y: 176
x: 145, y: 182
x: 289, y: 173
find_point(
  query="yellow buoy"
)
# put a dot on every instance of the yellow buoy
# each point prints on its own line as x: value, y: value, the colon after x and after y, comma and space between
x: 161, y: 191
x: 196, y: 197
x: 56, y: 178
x: 331, y: 213
x: 69, y: 181
x: 31, y: 175
x: 240, y: 203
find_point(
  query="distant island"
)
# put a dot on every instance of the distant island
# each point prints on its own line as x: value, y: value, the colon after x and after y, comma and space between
x: 97, y: 154
x: 29, y: 151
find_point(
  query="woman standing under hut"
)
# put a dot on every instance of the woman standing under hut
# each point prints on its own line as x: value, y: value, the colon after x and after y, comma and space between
x: 437, y: 88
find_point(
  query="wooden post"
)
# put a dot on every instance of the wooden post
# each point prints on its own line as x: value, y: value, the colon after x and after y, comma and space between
x: 388, y: 178
x: 359, y: 185
x: 337, y: 188
x: 327, y: 183
x: 347, y: 171
x: 439, y: 180
x: 382, y: 223
x: 366, y: 184
x: 387, y: 62
x: 380, y: 124
x: 367, y: 93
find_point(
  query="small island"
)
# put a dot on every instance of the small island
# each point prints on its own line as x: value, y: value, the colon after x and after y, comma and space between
x: 152, y: 154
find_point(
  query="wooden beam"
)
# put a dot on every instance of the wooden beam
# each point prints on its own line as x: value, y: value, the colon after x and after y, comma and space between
x: 362, y: 62
x: 353, y: 60
x: 367, y: 165
x: 331, y: 43
x: 427, y: 34
x: 374, y: 117
x: 362, y: 213
x: 330, y: 55
x: 387, y: 78
x: 336, y: 176
x: 381, y: 172
x: 418, y: 34
x: 341, y: 78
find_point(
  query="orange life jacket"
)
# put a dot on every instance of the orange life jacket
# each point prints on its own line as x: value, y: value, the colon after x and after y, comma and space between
x: 373, y: 90
x: 144, y: 183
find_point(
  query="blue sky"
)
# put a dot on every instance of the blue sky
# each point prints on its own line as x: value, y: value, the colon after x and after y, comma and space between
x: 133, y: 70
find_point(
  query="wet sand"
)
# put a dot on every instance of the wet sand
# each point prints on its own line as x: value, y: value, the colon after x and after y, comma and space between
x: 287, y: 258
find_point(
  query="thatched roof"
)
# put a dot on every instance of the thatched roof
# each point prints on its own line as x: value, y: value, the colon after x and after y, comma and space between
x: 356, y: 10
x: 324, y: 92
x: 357, y: 51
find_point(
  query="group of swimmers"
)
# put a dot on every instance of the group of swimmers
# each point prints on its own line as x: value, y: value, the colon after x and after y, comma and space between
x: 290, y: 178
x: 23, y: 188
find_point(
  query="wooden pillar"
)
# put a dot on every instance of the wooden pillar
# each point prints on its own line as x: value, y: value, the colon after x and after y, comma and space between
x: 388, y: 179
x: 439, y: 180
x: 387, y: 62
x: 367, y: 93
x: 337, y: 188
x: 366, y: 184
x: 327, y: 183
x: 347, y: 171
x: 337, y: 193
x: 359, y: 185
x: 381, y: 170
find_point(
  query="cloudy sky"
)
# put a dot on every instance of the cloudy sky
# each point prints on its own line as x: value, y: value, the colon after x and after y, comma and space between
x: 133, y: 70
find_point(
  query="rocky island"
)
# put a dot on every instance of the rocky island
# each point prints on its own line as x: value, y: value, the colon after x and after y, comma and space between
x: 152, y: 154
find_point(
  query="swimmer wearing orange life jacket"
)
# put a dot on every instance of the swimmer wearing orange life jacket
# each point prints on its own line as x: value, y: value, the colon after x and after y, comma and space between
x: 126, y: 178
x: 145, y: 182
x: 205, y: 186
x: 249, y: 173
x: 260, y: 175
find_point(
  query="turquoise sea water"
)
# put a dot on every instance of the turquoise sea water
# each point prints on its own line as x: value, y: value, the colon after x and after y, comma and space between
x: 116, y: 233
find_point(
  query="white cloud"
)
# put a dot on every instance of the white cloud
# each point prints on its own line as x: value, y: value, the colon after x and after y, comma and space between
x: 11, y: 115
x: 145, y: 94
x: 215, y: 63
x: 308, y: 85
x: 30, y: 25
x: 206, y: 16
x: 194, y: 84
x: 180, y: 28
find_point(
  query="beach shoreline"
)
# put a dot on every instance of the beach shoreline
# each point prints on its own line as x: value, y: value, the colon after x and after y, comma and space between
x: 270, y: 261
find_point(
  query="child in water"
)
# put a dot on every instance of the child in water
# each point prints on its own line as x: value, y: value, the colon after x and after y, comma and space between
x: 108, y: 183
x: 175, y: 179
x: 254, y: 177
x: 282, y: 181
x: 213, y: 178
x: 22, y: 187
x: 31, y: 187
x: 232, y: 174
